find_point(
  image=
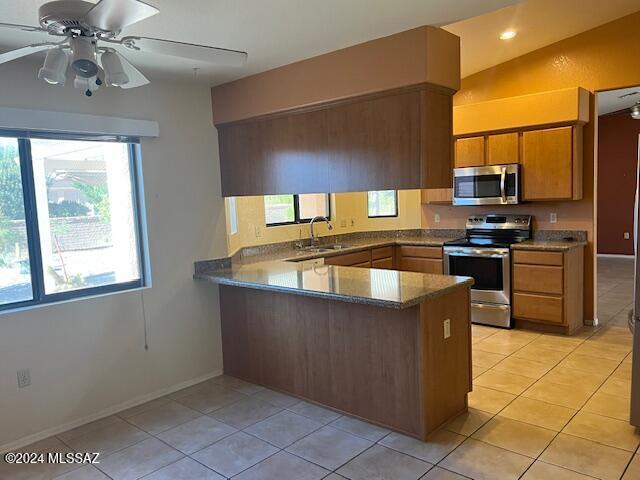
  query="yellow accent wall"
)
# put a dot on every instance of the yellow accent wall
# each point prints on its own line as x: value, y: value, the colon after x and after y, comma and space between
x: 603, y: 58
x: 345, y: 207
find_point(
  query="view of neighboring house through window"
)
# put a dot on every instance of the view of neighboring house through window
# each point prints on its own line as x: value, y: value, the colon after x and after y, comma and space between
x: 382, y: 203
x: 292, y: 209
x: 81, y: 234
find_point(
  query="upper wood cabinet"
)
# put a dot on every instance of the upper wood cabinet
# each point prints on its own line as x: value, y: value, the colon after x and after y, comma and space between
x: 502, y: 148
x: 375, y: 142
x: 469, y: 152
x: 398, y: 139
x: 552, y: 164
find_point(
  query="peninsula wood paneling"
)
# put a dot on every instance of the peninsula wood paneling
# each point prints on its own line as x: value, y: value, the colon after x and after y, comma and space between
x: 390, y: 367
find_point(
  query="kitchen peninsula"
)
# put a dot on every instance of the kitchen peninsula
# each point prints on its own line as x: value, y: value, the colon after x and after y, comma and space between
x: 390, y: 347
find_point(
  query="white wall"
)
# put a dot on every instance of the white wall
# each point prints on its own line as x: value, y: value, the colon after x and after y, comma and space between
x: 88, y: 356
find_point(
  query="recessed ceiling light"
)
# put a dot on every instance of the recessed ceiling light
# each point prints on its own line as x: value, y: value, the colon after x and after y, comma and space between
x: 507, y: 35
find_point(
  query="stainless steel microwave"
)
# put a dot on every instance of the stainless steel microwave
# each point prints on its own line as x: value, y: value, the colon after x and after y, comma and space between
x: 492, y: 185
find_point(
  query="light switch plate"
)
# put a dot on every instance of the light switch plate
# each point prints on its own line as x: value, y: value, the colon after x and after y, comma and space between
x: 627, y: 235
x: 447, y: 328
x: 24, y: 378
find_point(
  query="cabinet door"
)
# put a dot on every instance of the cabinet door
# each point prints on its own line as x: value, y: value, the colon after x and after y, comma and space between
x: 280, y: 155
x: 469, y: 152
x: 374, y: 144
x: 502, y: 149
x: 547, y: 164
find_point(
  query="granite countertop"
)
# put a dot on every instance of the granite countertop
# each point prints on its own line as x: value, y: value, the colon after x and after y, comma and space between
x: 351, y: 246
x: 384, y: 288
x: 549, y: 245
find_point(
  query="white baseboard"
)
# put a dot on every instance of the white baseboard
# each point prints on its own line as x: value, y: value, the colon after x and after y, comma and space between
x: 29, y: 439
x: 613, y: 255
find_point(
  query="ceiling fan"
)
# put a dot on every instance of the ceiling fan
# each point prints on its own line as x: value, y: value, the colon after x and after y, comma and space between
x: 86, y: 35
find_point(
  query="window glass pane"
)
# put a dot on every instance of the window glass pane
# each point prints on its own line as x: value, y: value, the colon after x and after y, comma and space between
x: 15, y: 276
x: 382, y: 203
x: 233, y: 216
x: 86, y: 216
x: 279, y: 209
x: 313, y: 204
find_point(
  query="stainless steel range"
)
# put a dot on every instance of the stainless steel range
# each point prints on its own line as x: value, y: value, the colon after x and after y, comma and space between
x: 484, y: 254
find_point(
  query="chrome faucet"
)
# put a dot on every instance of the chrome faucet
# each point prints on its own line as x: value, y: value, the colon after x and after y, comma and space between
x: 314, y: 238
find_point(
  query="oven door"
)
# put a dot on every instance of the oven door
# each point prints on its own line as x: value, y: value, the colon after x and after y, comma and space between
x: 489, y: 267
x: 492, y: 185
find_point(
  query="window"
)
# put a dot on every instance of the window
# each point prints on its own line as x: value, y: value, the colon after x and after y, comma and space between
x: 292, y: 209
x: 69, y: 220
x: 382, y: 203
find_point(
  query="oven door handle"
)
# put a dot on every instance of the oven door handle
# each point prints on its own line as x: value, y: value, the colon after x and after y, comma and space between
x: 503, y: 184
x: 477, y: 254
x: 489, y: 306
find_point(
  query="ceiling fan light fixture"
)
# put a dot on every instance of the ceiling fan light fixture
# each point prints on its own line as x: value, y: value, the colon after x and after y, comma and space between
x: 84, y: 56
x: 55, y: 67
x: 635, y: 111
x: 115, y: 75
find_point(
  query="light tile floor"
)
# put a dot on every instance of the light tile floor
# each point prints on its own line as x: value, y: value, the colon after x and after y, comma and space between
x: 543, y: 407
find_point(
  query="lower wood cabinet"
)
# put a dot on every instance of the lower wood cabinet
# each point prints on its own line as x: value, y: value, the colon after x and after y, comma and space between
x: 548, y: 288
x: 407, y: 258
x: 356, y: 259
x: 420, y: 259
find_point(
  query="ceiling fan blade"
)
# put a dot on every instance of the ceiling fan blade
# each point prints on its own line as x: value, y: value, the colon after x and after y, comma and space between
x: 24, y: 51
x: 114, y: 15
x: 26, y: 28
x: 202, y: 53
x: 136, y: 78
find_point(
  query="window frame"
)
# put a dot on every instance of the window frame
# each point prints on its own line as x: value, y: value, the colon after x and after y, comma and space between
x: 40, y: 297
x: 296, y: 211
x: 395, y: 215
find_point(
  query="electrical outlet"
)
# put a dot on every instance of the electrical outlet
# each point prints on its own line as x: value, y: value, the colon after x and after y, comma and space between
x: 257, y: 230
x: 437, y: 218
x: 447, y: 328
x: 343, y: 223
x: 553, y: 218
x: 24, y: 378
x: 626, y: 235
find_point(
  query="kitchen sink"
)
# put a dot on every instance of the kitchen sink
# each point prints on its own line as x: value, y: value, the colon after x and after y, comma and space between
x: 324, y: 248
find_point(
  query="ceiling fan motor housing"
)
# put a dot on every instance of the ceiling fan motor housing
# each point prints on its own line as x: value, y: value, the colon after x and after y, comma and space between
x: 61, y: 15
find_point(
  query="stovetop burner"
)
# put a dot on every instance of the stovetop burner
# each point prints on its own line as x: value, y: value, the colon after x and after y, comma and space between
x: 494, y: 231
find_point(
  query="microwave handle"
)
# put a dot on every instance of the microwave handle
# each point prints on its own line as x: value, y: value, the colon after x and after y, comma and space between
x: 503, y: 184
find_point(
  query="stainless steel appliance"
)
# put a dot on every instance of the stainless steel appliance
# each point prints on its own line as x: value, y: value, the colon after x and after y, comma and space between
x: 484, y: 254
x: 492, y: 185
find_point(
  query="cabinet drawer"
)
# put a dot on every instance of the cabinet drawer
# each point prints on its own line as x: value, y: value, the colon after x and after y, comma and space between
x: 366, y: 264
x: 382, y: 252
x: 536, y: 257
x: 538, y: 307
x: 383, y: 263
x: 424, y: 252
x: 422, y: 265
x: 538, y: 279
x: 349, y: 259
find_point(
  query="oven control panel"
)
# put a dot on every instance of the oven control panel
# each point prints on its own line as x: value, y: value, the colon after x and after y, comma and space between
x: 499, y: 221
